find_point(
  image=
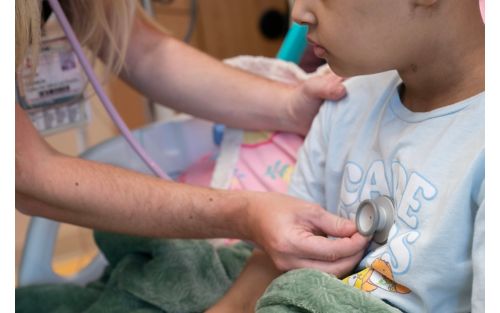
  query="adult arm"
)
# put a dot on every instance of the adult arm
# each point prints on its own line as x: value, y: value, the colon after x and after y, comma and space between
x: 105, y: 197
x: 100, y: 196
x: 173, y: 73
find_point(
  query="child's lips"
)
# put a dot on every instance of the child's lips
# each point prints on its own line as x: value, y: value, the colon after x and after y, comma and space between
x: 319, y: 50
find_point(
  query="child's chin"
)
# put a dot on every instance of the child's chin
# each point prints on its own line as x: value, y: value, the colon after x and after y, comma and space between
x: 339, y: 70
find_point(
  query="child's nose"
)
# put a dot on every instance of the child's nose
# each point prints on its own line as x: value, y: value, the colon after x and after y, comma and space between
x: 301, y: 15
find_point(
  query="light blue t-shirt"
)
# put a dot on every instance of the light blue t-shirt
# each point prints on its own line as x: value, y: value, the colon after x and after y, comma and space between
x: 431, y: 164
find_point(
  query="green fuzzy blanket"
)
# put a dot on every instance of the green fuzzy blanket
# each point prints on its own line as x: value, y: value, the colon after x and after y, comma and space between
x: 308, y: 290
x: 157, y: 275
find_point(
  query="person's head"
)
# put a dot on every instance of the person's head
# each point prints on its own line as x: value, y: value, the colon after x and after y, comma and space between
x: 101, y: 25
x: 369, y: 36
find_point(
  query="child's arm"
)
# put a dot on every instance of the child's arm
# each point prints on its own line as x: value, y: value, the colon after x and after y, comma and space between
x: 258, y: 273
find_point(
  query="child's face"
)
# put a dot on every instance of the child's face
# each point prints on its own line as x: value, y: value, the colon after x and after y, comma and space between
x: 361, y: 36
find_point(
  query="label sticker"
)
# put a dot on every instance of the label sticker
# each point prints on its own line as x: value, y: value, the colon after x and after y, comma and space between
x: 54, y: 96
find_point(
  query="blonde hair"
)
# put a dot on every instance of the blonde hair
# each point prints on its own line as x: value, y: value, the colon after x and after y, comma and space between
x: 27, y: 28
x: 103, y: 26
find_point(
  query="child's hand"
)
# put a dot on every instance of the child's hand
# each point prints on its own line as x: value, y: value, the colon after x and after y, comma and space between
x: 292, y: 232
x: 307, y: 97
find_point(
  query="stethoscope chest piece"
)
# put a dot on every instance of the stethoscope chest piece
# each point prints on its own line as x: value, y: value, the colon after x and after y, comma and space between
x: 376, y: 217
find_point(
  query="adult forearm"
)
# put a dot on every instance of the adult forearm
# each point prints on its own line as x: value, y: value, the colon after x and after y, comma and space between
x: 172, y: 73
x: 113, y: 199
x: 105, y: 197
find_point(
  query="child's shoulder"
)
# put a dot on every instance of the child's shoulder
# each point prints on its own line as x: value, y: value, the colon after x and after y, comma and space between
x: 375, y: 83
x: 363, y: 92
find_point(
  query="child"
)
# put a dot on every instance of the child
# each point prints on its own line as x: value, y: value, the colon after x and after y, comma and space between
x: 415, y: 135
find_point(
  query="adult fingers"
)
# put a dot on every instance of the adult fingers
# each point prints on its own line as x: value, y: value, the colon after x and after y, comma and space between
x: 335, y: 87
x: 334, y: 225
x: 329, y: 249
x: 340, y: 268
x: 326, y: 86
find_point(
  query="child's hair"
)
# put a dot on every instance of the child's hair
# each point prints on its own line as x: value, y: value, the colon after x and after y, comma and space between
x: 101, y: 25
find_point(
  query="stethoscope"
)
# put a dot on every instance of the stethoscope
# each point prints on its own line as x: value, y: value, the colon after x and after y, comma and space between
x: 375, y: 217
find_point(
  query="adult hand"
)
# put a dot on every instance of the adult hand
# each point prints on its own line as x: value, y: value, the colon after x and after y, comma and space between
x: 293, y: 232
x: 308, y: 95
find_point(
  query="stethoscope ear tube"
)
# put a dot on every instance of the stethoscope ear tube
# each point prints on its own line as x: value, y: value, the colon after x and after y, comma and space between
x: 375, y: 217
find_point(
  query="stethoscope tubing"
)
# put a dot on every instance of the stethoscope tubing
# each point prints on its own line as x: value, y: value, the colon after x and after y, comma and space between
x: 108, y: 105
